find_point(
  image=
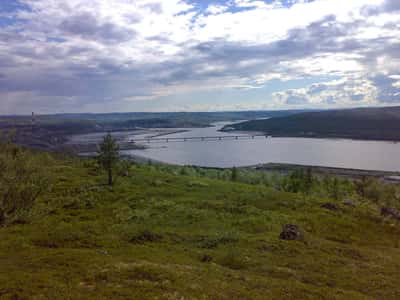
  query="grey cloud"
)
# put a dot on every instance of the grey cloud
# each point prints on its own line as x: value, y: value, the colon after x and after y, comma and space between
x: 318, y: 37
x: 388, y: 6
x: 87, y: 26
x: 155, y: 7
x: 317, y: 88
x: 330, y: 100
x: 391, y: 5
x: 133, y: 18
x: 78, y: 50
x: 296, y: 100
x: 292, y: 97
x: 160, y: 38
x: 7, y: 61
x: 386, y: 91
x: 86, y: 73
x: 357, y: 97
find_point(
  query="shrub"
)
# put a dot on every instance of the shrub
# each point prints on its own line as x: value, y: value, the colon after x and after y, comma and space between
x: 124, y: 168
x: 299, y: 182
x: 232, y: 260
x: 22, y: 180
x: 145, y: 236
x: 210, y: 242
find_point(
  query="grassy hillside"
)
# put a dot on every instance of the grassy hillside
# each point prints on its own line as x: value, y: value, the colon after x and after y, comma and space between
x: 361, y: 123
x: 165, y: 233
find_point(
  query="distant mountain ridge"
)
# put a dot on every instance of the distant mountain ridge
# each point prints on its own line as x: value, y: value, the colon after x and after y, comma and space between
x: 51, y: 131
x: 359, y: 123
x: 86, y: 122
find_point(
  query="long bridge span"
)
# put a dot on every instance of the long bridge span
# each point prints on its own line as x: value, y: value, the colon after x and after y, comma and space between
x: 196, y: 138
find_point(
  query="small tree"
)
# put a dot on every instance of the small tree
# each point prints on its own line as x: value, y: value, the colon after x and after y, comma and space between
x: 361, y: 186
x: 335, y: 188
x: 309, y: 180
x: 108, y: 156
x: 294, y: 182
x: 234, y: 174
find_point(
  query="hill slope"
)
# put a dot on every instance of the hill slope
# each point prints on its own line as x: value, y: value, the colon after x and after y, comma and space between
x: 163, y: 236
x: 360, y: 123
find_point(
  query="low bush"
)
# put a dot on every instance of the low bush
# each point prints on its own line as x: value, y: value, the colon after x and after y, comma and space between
x: 233, y: 260
x: 210, y: 242
x: 23, y: 178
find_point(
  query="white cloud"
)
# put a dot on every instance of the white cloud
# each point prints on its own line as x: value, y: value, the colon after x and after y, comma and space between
x: 345, y: 92
x: 396, y: 84
x: 327, y: 63
x: 216, y: 9
x: 93, y: 51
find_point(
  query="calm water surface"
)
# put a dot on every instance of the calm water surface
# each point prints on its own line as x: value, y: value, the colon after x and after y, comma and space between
x: 369, y: 155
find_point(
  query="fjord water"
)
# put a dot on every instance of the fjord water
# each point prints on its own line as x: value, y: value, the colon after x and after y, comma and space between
x: 340, y: 153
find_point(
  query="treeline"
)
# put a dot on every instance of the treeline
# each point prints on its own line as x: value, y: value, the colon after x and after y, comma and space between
x: 361, y: 123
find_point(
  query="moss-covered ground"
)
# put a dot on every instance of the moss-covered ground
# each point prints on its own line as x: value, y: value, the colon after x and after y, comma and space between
x: 156, y: 235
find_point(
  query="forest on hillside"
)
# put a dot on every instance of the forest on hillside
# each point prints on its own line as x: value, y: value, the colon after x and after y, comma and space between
x: 361, y: 123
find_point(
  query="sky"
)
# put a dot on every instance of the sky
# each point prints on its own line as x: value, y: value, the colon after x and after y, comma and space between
x: 59, y: 56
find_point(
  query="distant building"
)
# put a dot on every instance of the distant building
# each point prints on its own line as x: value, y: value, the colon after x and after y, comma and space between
x: 33, y: 121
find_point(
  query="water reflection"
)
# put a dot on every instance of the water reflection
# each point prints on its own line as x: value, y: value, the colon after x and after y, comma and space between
x: 369, y: 155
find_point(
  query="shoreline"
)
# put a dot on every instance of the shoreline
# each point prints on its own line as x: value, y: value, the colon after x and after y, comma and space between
x: 318, y: 137
x: 285, y: 168
x: 322, y: 170
x: 64, y: 143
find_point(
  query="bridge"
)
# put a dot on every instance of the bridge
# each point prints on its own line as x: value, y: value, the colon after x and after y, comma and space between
x: 196, y: 138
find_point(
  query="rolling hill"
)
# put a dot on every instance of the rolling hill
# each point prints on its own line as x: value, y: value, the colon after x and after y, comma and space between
x: 360, y: 123
x: 159, y: 234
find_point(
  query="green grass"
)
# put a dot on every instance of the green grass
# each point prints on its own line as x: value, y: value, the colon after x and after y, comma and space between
x: 159, y: 235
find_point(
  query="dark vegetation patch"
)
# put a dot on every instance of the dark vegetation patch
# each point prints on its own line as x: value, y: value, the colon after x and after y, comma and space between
x: 330, y: 206
x: 390, y: 212
x: 233, y: 260
x: 145, y: 236
x: 210, y: 242
x: 291, y: 232
x: 205, y: 258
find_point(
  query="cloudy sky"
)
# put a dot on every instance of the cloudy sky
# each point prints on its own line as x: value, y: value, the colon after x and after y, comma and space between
x: 197, y: 55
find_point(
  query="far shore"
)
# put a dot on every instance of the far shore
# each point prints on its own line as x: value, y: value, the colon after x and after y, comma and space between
x: 316, y: 136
